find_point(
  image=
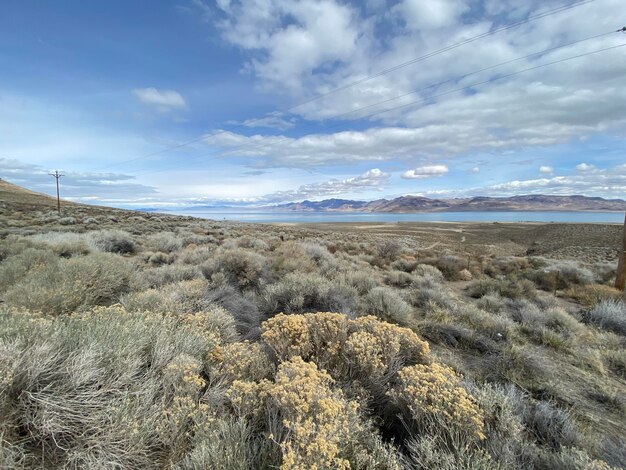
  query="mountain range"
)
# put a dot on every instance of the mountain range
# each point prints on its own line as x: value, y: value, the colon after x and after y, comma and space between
x: 532, y: 202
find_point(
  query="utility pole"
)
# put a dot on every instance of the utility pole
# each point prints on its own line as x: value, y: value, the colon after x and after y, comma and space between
x: 57, y: 175
x: 620, y: 276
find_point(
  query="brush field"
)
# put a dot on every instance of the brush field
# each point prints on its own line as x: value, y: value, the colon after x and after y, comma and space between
x: 140, y: 340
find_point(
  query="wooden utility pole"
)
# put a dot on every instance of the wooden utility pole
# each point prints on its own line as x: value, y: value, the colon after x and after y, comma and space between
x: 57, y: 175
x: 620, y: 277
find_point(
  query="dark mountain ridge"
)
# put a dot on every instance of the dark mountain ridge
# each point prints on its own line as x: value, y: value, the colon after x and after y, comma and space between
x: 530, y: 202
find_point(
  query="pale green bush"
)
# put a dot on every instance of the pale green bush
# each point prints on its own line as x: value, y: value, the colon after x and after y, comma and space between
x: 64, y: 286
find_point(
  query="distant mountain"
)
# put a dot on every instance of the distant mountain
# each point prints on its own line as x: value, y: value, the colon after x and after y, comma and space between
x: 531, y: 202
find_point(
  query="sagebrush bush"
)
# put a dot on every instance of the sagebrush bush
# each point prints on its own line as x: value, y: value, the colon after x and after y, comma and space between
x: 113, y: 241
x: 156, y: 277
x: 609, y: 314
x: 65, y: 244
x: 67, y: 285
x: 298, y: 293
x: 71, y: 374
x: 243, y: 269
x: 178, y: 297
x: 167, y: 242
x: 386, y: 304
x: 509, y: 288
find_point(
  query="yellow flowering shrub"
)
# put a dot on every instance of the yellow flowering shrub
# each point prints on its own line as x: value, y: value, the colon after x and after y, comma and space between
x: 343, y: 346
x: 432, y: 394
x: 242, y: 361
x: 183, y: 373
x: 317, y: 419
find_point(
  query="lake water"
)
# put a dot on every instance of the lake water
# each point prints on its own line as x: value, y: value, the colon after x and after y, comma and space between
x: 316, y: 217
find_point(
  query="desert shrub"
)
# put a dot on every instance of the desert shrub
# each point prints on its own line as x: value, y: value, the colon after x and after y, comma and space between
x: 159, y: 258
x: 608, y: 314
x: 426, y: 452
x: 113, y: 241
x: 504, y: 430
x: 67, y: 221
x: 16, y: 266
x: 427, y: 297
x: 363, y: 349
x: 138, y: 373
x: 433, y: 401
x: 386, y: 304
x: 604, y: 272
x: 228, y: 443
x: 551, y: 426
x: 319, y: 254
x: 616, y: 362
x: 76, y: 283
x: 398, y: 279
x: 166, y: 242
x: 426, y: 270
x: 90, y: 221
x: 65, y: 244
x: 450, y: 265
x: 362, y: 281
x: 404, y: 265
x: 178, y: 297
x: 245, y: 313
x: 242, y: 269
x: 153, y: 278
x: 290, y: 257
x: 298, y: 293
x: 493, y: 303
x: 558, y: 275
x: 313, y: 423
x: 196, y: 255
x: 590, y: 295
x: 505, y: 266
x: 509, y: 288
x: 389, y: 250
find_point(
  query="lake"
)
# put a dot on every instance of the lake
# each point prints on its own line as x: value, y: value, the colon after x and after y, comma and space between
x: 317, y: 217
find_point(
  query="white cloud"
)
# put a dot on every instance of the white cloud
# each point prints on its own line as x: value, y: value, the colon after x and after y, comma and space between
x: 585, y: 167
x: 292, y: 37
x: 428, y: 171
x: 162, y: 99
x: 420, y: 14
x: 475, y: 169
x: 546, y: 169
x: 371, y: 179
x: 608, y: 183
x: 274, y: 121
x: 292, y: 53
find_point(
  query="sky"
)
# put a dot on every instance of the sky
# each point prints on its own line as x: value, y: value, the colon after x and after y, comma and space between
x: 185, y: 103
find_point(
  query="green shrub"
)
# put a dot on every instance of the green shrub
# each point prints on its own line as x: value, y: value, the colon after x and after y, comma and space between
x: 242, y: 269
x: 113, y: 241
x: 386, y: 304
x: 298, y: 293
x: 68, y: 285
x: 167, y: 242
x: 509, y: 288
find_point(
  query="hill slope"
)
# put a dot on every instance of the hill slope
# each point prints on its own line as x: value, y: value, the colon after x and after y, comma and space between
x: 533, y: 202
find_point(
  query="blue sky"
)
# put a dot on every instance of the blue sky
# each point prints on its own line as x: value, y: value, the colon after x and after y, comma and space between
x: 111, y: 92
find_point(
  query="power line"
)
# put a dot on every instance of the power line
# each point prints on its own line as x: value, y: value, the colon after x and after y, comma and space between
x: 253, y: 146
x: 370, y: 77
x: 446, y: 49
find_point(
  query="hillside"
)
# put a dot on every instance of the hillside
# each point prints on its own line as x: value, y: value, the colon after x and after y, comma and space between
x: 538, y: 202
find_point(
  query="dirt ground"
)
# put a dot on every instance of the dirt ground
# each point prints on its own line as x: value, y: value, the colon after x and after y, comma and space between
x: 587, y: 242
